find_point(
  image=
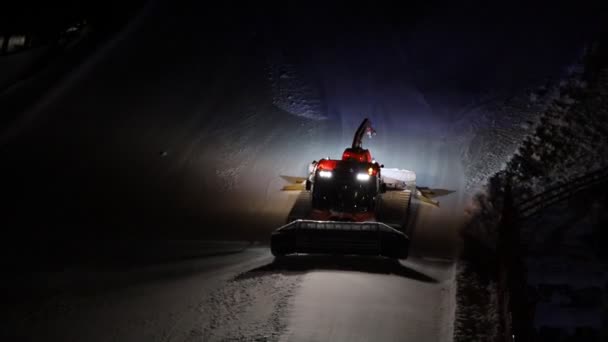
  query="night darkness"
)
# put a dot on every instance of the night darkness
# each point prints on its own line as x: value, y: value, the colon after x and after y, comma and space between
x: 145, y: 146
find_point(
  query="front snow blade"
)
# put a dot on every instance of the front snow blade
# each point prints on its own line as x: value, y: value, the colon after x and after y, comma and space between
x: 336, y: 237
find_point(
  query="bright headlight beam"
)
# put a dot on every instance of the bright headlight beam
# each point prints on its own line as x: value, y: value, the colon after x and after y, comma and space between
x: 325, y: 174
x: 362, y: 177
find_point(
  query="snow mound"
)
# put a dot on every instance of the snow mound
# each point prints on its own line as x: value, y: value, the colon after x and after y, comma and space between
x: 293, y: 93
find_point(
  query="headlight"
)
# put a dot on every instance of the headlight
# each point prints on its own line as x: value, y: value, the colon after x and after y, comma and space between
x: 325, y: 174
x: 362, y: 177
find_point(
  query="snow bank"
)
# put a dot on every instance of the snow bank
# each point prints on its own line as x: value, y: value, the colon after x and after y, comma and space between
x: 570, y: 141
x: 449, y: 306
x: 500, y: 128
x: 476, y: 316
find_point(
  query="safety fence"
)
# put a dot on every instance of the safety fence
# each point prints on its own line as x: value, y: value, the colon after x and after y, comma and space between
x: 515, y: 308
x: 558, y: 193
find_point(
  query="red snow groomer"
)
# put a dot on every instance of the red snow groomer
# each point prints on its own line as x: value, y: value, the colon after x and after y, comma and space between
x: 347, y: 207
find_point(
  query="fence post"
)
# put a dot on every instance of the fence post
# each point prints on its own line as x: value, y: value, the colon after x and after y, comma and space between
x: 504, y: 256
x: 513, y: 304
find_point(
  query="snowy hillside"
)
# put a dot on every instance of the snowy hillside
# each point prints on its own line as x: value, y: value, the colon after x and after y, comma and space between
x: 293, y: 91
x: 501, y: 127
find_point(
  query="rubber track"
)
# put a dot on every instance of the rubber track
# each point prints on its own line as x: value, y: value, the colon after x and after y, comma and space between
x: 393, y: 208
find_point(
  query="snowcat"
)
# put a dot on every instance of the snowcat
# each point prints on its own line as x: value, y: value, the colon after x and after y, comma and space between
x: 350, y: 206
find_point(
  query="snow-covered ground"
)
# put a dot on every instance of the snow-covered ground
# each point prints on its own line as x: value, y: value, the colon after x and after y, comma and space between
x: 155, y: 303
x: 244, y: 295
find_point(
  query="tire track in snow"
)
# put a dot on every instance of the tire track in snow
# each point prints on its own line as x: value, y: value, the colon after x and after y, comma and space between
x: 251, y: 307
